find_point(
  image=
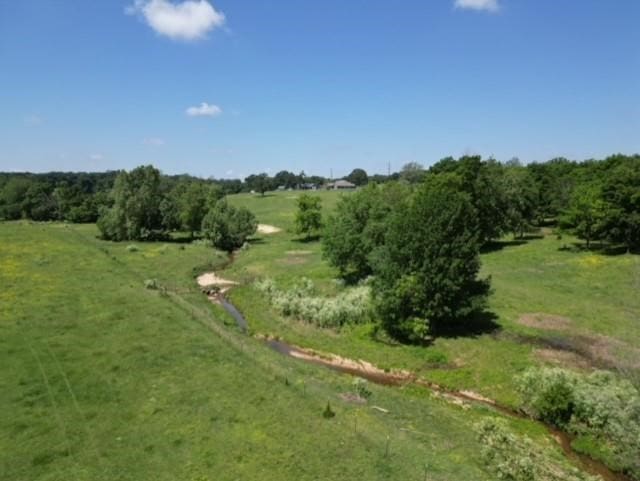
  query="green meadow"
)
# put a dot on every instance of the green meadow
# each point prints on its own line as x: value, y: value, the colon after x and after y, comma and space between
x: 104, y: 378
x: 552, y: 304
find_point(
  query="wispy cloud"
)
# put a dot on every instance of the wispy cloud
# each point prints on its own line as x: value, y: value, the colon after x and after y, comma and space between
x: 187, y: 20
x: 96, y: 156
x: 204, y: 110
x: 33, y: 119
x: 480, y: 5
x: 154, y: 141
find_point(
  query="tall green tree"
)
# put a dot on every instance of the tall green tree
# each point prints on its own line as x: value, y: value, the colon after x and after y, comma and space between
x: 309, y: 215
x: 621, y: 192
x: 586, y: 213
x: 135, y: 214
x: 192, y: 206
x: 520, y: 199
x: 357, y: 227
x: 426, y: 272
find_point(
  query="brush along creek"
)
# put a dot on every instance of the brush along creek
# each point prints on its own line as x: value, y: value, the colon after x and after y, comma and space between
x: 215, y: 287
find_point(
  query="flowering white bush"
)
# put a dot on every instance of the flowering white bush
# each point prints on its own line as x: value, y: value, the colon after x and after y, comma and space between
x: 517, y: 458
x: 351, y: 306
x: 599, y: 405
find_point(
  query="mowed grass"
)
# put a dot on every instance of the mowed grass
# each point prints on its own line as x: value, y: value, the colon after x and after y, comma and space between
x: 596, y: 295
x: 101, y: 378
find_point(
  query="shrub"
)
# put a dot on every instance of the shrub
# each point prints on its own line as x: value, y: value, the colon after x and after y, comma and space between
x: 151, y: 284
x: 351, y: 306
x: 132, y: 248
x: 517, y: 458
x: 599, y: 406
x: 361, y: 388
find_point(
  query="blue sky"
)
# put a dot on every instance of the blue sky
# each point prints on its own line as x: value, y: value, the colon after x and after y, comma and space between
x: 228, y: 88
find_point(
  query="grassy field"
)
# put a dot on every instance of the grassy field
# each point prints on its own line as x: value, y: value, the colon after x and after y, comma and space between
x: 552, y: 304
x: 101, y: 378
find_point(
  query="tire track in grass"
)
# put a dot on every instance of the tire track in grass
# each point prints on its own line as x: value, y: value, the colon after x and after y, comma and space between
x: 56, y: 410
x: 76, y: 405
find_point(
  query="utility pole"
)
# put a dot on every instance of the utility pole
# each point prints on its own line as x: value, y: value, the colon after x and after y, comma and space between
x: 388, y: 169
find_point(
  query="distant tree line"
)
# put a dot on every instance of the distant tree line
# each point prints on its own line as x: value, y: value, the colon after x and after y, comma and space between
x: 596, y: 200
x: 79, y: 196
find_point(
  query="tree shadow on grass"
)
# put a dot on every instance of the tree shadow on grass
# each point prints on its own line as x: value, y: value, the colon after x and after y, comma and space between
x: 601, y: 248
x: 256, y: 240
x: 475, y: 325
x: 495, y: 246
x: 307, y: 239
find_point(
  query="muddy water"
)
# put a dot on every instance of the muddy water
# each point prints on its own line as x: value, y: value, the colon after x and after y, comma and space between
x: 397, y: 379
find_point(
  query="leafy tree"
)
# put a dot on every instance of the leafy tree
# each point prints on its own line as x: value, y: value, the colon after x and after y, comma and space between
x: 586, y: 213
x: 621, y: 192
x: 259, y: 183
x: 309, y: 215
x: 357, y: 227
x: 358, y: 177
x: 135, y: 214
x: 12, y: 197
x: 412, y: 172
x: 287, y: 179
x: 192, y: 206
x: 426, y: 271
x: 482, y: 180
x: 520, y: 199
x: 227, y: 226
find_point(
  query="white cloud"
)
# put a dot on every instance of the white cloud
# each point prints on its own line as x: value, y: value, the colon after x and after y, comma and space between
x: 486, y: 5
x: 33, y: 119
x: 96, y: 157
x: 204, y: 110
x: 187, y: 20
x: 229, y: 172
x: 154, y: 141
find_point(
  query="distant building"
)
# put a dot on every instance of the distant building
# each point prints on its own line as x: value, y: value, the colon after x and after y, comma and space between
x: 341, y: 185
x: 308, y: 186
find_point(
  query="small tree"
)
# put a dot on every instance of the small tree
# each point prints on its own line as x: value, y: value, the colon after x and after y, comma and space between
x: 309, y: 215
x: 358, y: 177
x: 586, y: 213
x: 412, y: 172
x: 228, y: 227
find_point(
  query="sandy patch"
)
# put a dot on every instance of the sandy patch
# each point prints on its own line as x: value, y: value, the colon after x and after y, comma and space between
x: 611, y: 351
x: 212, y: 279
x: 268, y: 229
x: 562, y: 358
x: 540, y: 320
x: 352, y: 398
